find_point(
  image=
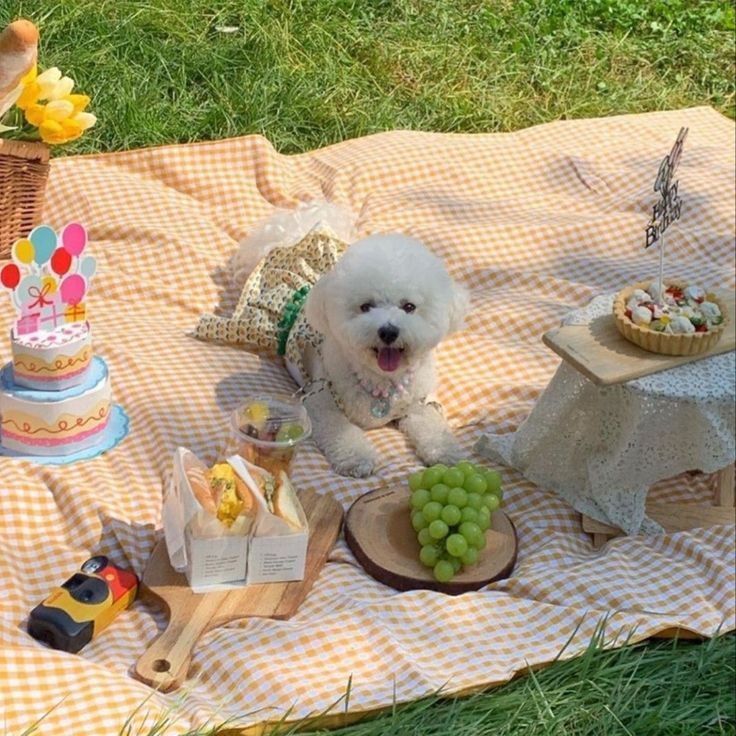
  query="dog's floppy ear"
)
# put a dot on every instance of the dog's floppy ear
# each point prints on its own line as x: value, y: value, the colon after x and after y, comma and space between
x: 459, y: 306
x: 315, y: 308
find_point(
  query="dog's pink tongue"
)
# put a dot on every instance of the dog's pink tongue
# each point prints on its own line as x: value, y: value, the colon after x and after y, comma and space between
x: 389, y: 358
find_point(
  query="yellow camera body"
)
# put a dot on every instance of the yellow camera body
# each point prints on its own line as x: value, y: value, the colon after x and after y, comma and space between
x: 83, y: 605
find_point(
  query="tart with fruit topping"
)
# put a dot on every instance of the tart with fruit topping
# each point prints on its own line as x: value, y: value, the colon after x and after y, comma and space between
x: 683, y: 320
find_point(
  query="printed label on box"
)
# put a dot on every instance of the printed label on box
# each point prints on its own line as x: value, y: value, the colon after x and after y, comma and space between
x: 215, y: 561
x: 277, y: 559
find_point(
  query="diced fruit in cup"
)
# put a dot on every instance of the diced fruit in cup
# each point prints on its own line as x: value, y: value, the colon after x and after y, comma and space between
x: 257, y: 413
x: 451, y: 509
x: 289, y: 432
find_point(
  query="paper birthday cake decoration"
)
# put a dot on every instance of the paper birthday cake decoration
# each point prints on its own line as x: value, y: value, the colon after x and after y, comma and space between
x: 55, y: 395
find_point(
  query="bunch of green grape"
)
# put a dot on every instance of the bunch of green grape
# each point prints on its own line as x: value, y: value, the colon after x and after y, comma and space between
x: 451, y: 508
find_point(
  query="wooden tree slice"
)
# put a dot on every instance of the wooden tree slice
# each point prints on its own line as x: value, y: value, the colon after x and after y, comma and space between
x: 378, y: 531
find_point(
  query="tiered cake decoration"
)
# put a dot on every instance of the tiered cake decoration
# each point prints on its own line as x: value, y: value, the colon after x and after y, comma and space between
x: 55, y: 395
x: 672, y: 316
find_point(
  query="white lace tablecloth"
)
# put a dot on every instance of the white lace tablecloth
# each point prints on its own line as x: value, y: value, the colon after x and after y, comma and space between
x: 602, y: 447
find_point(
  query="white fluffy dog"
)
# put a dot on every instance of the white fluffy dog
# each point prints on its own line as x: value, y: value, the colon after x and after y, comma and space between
x: 382, y: 310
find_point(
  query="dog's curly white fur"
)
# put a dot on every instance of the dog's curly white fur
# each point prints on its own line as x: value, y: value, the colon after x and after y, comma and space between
x: 382, y: 310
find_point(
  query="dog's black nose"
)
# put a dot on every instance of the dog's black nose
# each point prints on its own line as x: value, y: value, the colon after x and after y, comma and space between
x: 388, y: 333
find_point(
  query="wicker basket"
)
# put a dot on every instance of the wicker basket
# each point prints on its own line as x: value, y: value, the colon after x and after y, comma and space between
x: 24, y: 169
x: 660, y: 342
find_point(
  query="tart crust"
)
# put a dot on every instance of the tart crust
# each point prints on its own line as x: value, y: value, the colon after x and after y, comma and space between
x: 661, y: 342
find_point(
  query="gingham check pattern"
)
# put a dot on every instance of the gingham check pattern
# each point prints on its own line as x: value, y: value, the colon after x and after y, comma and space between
x: 534, y: 223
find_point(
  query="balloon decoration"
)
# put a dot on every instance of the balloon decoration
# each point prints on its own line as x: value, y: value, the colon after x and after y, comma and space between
x: 72, y: 289
x: 23, y: 251
x: 43, y: 239
x: 49, y: 285
x: 87, y: 267
x: 10, y: 276
x: 61, y: 261
x: 48, y: 278
x: 74, y: 238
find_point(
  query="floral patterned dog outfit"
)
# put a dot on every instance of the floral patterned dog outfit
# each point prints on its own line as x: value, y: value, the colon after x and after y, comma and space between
x: 268, y: 317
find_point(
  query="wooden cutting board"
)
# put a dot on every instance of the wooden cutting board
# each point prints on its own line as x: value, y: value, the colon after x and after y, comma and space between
x: 600, y: 352
x: 378, y: 531
x: 165, y: 662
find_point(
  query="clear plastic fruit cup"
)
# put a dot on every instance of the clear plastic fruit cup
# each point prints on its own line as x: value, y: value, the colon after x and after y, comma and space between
x: 267, y: 429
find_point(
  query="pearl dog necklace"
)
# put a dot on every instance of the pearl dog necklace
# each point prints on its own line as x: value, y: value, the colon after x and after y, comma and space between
x: 384, y: 395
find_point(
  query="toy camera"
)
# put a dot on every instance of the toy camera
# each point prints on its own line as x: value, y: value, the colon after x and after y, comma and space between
x: 83, y: 606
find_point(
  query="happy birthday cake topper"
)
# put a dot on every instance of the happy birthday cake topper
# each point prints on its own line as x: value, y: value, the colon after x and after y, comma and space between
x: 48, y: 278
x: 669, y: 207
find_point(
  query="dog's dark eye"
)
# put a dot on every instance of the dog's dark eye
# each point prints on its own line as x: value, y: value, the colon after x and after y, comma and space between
x: 408, y: 307
x: 366, y: 307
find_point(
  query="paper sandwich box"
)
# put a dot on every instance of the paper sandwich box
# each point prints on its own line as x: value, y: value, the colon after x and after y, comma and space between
x: 258, y: 547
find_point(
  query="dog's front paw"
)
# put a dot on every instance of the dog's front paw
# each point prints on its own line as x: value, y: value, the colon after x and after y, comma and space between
x: 447, y: 451
x: 354, y: 456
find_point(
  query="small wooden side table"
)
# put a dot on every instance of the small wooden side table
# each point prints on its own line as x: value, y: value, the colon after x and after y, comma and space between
x: 676, y: 517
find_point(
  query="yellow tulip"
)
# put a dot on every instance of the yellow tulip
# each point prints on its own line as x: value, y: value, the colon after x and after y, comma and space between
x: 35, y: 114
x: 80, y: 102
x: 52, y: 132
x: 72, y: 128
x: 63, y: 88
x: 29, y: 96
x: 85, y: 119
x: 47, y: 81
x: 62, y: 118
x: 59, y: 110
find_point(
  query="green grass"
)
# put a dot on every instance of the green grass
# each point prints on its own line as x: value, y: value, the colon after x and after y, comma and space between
x: 306, y: 73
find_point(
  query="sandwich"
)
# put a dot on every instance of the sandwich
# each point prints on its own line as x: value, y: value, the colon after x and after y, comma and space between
x: 278, y: 495
x: 221, y: 493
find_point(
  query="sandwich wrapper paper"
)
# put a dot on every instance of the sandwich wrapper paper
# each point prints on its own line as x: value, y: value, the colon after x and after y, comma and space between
x: 265, y: 549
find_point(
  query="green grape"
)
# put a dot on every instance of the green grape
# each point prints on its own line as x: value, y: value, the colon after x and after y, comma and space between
x: 491, y: 502
x: 481, y: 542
x: 439, y: 493
x: 471, y: 532
x: 431, y: 477
x: 418, y: 521
x: 438, y: 529
x: 470, y: 557
x: 415, y: 481
x: 429, y: 555
x: 451, y: 515
x: 456, y: 545
x: 443, y: 571
x: 419, y: 498
x: 475, y: 501
x: 453, y: 477
x: 468, y: 514
x: 424, y: 537
x: 458, y: 497
x: 456, y: 564
x: 440, y: 466
x: 466, y: 468
x: 493, y: 481
x: 432, y: 511
x: 475, y: 483
x: 484, y: 519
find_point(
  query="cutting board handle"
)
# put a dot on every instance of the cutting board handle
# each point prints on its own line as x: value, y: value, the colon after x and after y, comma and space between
x: 165, y: 662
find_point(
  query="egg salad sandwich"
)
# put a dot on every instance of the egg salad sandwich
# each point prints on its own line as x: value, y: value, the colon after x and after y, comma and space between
x: 222, y: 494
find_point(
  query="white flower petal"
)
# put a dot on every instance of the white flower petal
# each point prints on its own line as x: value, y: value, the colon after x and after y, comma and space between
x: 62, y: 88
x: 85, y: 119
x: 47, y: 81
x: 59, y: 110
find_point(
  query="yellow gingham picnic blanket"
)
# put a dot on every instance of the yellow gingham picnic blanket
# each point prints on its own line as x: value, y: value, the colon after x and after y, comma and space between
x: 534, y: 223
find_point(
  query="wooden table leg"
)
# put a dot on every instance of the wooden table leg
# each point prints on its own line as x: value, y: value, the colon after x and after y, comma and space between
x: 725, y: 487
x: 600, y: 532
